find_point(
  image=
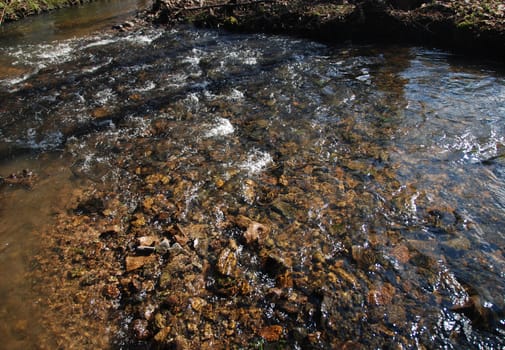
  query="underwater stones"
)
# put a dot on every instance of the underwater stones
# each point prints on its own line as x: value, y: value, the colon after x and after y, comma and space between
x: 164, y: 246
x: 140, y: 329
x: 138, y: 220
x: 157, y: 178
x: 197, y: 303
x: 284, y: 208
x: 458, y: 244
x: 363, y: 256
x: 147, y: 240
x: 156, y: 205
x: 93, y: 205
x: 162, y: 334
x: 285, y: 280
x: 271, y: 333
x: 136, y: 262
x: 381, y: 295
x: 401, y: 253
x: 161, y: 126
x: 21, y: 328
x: 231, y: 286
x: 482, y: 316
x: 111, y: 291
x: 343, y: 275
x: 318, y: 257
x: 227, y: 263
x: 273, y: 263
x: 26, y: 178
x: 108, y: 231
x: 101, y: 113
x: 250, y: 189
x: 444, y: 220
x: 255, y: 232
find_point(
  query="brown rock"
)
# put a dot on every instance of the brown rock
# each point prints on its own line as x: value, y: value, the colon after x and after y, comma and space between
x: 135, y: 262
x: 227, y: 263
x: 256, y: 232
x: 242, y: 221
x: 382, y: 295
x: 271, y: 333
x: 111, y: 291
x: 401, y: 253
x: 148, y: 240
x: 162, y: 335
x: 285, y: 280
x: 139, y: 328
x: 101, y: 112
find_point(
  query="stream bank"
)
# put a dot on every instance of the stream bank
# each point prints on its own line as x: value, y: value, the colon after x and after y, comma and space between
x: 474, y: 27
x: 15, y: 10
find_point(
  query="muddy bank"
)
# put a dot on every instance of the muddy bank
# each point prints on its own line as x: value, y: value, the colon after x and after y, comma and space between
x: 476, y: 27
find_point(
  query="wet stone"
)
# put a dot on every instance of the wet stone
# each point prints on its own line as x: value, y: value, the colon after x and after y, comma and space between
x: 136, y: 262
x: 256, y: 232
x: 271, y: 333
x: 140, y: 329
x: 227, y: 263
x: 112, y: 291
x: 381, y: 295
x: 162, y: 335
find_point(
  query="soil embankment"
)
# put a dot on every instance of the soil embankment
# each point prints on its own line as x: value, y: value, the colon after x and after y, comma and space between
x: 472, y: 26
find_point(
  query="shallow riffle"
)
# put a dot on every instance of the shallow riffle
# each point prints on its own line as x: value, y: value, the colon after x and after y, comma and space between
x: 253, y: 191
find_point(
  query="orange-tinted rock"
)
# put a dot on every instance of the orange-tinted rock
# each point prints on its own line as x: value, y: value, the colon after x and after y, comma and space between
x: 271, y: 333
x: 135, y: 262
x: 382, y: 295
x: 100, y: 112
x: 401, y: 253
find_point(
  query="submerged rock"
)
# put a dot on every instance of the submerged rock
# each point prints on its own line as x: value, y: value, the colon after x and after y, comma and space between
x: 227, y: 263
x: 136, y: 262
x: 271, y: 333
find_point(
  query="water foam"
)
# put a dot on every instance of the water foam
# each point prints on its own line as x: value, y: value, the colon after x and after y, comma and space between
x: 41, y: 56
x: 257, y: 161
x: 222, y: 127
x: 51, y: 140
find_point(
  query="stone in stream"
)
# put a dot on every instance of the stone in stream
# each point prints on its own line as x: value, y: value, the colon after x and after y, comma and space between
x: 136, y: 262
x: 271, y: 333
x: 255, y: 232
x: 227, y: 263
x: 140, y: 329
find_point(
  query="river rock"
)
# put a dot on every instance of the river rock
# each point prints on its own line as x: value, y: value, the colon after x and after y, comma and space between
x: 227, y: 263
x: 140, y: 329
x: 460, y: 244
x: 256, y: 232
x: 135, y: 262
x: 271, y: 333
x: 284, y: 208
x: 382, y: 295
x: 147, y: 240
x: 162, y: 335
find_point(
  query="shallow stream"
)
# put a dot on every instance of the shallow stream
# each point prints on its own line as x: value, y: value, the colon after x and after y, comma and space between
x: 377, y: 172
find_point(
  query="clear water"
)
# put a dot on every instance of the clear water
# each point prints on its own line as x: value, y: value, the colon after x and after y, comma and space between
x: 396, y: 150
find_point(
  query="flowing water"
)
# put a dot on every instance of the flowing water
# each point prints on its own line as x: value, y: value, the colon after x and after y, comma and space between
x: 378, y: 172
